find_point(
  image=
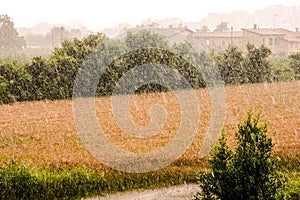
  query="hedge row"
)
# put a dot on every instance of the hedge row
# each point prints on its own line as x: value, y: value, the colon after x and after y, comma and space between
x: 54, y: 77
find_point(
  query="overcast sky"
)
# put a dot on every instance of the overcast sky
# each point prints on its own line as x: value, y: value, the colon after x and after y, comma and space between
x: 98, y: 14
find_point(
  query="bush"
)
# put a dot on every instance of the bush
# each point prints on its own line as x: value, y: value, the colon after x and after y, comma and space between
x: 237, y: 67
x: 14, y: 82
x: 249, y: 172
x: 295, y: 63
x: 281, y: 70
x: 20, y: 182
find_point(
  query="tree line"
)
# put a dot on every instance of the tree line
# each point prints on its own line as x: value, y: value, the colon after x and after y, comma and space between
x: 53, y: 77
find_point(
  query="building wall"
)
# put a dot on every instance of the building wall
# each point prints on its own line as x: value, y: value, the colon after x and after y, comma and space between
x: 293, y: 47
x: 249, y: 37
x: 275, y: 42
x: 218, y: 43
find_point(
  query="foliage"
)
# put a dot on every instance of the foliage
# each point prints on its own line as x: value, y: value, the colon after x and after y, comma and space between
x: 281, y: 70
x: 292, y: 187
x: 151, y: 56
x: 222, y: 27
x: 256, y: 64
x: 295, y: 64
x: 250, y: 172
x: 203, y: 29
x: 21, y: 182
x: 238, y: 68
x: 230, y: 65
x: 14, y: 82
x: 52, y: 39
x: 144, y: 39
x: 9, y: 39
x: 53, y: 77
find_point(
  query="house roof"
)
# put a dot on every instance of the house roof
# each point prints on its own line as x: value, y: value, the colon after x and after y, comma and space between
x: 264, y: 31
x: 226, y: 34
x: 287, y: 35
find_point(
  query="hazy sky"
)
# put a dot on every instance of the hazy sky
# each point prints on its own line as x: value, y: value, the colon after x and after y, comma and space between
x: 98, y: 14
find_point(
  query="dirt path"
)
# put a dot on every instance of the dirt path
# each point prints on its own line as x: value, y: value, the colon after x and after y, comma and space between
x: 181, y: 192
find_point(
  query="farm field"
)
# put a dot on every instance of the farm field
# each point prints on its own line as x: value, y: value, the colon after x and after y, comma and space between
x: 43, y: 133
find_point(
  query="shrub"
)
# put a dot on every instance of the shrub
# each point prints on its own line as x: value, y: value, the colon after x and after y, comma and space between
x: 294, y: 61
x: 14, y: 82
x: 249, y: 172
x: 281, y: 70
x: 20, y: 182
x: 238, y: 67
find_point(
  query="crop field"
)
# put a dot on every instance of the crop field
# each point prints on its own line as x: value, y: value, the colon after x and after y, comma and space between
x: 43, y: 133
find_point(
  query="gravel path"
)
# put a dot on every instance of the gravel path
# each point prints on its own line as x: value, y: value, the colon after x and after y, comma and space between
x: 181, y: 192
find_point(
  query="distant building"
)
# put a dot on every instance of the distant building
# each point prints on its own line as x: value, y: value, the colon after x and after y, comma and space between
x: 281, y: 42
x: 173, y: 35
x: 218, y: 40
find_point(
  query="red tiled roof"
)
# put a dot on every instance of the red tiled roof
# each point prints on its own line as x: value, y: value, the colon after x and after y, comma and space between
x: 218, y: 34
x: 263, y: 31
x: 291, y: 38
x: 287, y: 35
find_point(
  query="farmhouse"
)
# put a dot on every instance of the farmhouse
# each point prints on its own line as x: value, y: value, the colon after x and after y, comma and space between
x: 281, y: 42
x: 218, y: 40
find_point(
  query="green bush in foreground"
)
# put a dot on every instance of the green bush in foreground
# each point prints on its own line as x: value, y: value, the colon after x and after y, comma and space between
x: 20, y: 182
x: 249, y: 172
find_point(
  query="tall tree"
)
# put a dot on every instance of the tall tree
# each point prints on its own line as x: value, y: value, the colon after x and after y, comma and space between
x: 9, y: 37
x: 295, y: 63
x: 222, y: 27
x: 203, y: 29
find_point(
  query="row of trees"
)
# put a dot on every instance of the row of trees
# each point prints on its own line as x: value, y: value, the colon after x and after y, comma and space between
x: 10, y: 41
x: 54, y: 38
x: 54, y: 77
x: 9, y: 37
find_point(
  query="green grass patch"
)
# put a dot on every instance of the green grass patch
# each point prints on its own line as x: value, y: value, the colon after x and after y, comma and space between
x: 293, y: 185
x: 21, y: 182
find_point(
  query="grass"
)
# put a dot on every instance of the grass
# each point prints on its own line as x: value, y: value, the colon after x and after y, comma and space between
x: 293, y: 185
x: 21, y: 182
x: 42, y: 136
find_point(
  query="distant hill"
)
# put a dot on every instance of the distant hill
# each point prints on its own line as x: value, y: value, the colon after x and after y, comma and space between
x: 45, y: 27
x: 272, y: 16
x: 39, y: 28
x: 276, y: 15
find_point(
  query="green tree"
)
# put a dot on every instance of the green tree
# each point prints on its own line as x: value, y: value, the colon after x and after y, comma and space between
x: 14, y: 82
x: 65, y: 62
x: 222, y: 27
x: 9, y: 38
x: 144, y: 39
x: 281, y: 70
x: 54, y: 78
x: 249, y: 172
x: 294, y: 61
x: 203, y: 29
x: 230, y: 64
x: 256, y: 64
x: 58, y: 34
